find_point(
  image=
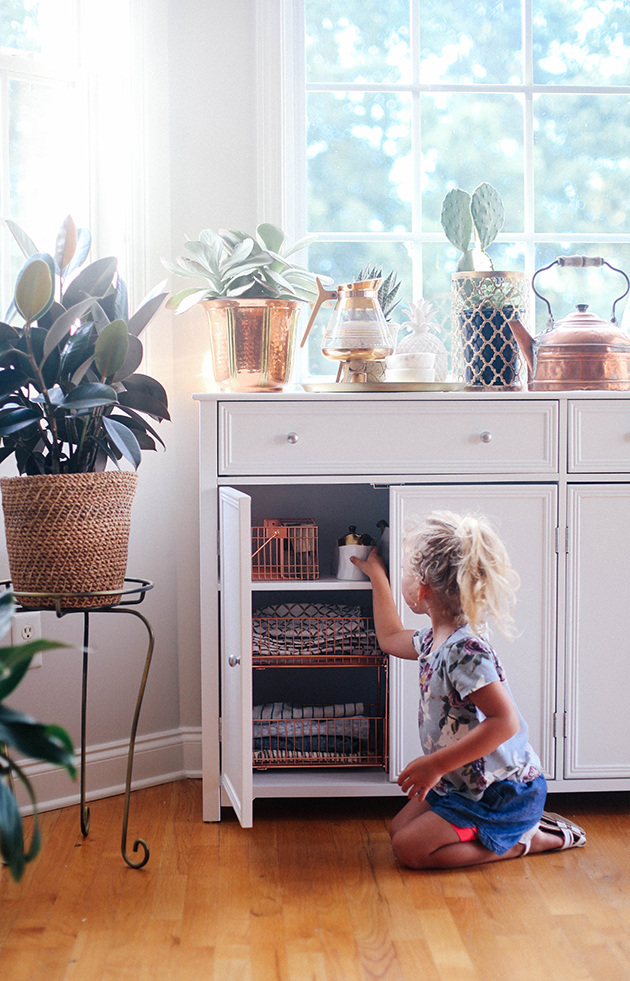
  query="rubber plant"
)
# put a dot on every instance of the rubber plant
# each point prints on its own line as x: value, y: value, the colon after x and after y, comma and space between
x: 48, y: 743
x: 71, y: 396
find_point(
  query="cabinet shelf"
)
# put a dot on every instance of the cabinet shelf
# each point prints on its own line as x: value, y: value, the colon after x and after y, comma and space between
x: 324, y: 583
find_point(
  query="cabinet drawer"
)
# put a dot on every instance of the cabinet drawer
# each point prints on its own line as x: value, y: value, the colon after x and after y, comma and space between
x: 406, y: 437
x: 599, y: 436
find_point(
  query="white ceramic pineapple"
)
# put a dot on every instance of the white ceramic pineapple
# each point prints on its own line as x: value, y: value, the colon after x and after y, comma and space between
x: 423, y: 337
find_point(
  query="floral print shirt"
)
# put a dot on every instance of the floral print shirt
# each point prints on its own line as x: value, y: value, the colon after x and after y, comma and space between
x: 463, y: 664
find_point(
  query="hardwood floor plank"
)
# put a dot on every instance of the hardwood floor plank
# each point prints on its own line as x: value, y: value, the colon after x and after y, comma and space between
x: 311, y: 892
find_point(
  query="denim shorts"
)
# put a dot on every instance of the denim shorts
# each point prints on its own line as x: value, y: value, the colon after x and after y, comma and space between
x: 505, y: 812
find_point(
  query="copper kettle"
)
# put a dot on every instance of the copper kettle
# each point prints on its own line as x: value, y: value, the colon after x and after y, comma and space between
x: 582, y: 351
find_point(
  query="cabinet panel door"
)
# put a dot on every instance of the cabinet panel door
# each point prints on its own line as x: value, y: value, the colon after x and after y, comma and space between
x: 598, y: 645
x: 236, y: 651
x: 525, y: 517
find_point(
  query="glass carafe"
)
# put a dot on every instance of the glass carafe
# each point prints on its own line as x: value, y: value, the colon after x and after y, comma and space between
x: 357, y: 330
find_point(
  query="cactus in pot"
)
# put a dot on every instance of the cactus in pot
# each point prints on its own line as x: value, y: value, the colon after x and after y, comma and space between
x: 476, y: 217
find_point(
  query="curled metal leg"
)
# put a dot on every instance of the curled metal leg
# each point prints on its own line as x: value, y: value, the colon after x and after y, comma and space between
x: 85, y: 811
x: 139, y: 842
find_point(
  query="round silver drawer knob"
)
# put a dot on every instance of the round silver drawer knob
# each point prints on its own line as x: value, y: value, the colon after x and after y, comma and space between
x: 233, y: 660
x: 292, y: 438
x: 486, y: 437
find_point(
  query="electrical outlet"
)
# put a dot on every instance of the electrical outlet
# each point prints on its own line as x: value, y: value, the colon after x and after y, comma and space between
x: 26, y: 627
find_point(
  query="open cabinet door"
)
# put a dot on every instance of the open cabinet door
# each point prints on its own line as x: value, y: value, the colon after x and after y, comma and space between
x: 236, y: 651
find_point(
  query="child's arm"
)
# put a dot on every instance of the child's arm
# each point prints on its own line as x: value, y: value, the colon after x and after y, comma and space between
x: 499, y: 725
x: 392, y: 636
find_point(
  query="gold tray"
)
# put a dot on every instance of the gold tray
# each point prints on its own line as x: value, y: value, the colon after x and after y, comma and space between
x: 334, y: 387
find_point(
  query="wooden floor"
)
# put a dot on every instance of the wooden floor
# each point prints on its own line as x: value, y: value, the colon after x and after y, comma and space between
x: 312, y: 893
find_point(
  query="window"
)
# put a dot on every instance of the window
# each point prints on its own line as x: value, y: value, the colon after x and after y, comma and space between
x: 405, y: 100
x: 65, y: 125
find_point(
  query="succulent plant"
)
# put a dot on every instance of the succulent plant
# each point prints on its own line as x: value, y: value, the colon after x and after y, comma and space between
x: 235, y: 264
x: 479, y: 216
x: 387, y: 290
x: 70, y: 395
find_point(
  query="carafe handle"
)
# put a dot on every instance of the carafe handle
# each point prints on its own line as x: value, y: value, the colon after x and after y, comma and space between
x: 322, y: 296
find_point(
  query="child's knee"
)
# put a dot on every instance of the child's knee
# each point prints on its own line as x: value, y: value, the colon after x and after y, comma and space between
x: 408, y: 850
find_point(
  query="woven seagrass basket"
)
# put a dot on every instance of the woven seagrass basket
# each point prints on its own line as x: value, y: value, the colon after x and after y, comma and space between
x: 68, y: 533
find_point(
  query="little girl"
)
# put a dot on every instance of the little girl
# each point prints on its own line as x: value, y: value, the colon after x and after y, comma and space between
x: 477, y: 793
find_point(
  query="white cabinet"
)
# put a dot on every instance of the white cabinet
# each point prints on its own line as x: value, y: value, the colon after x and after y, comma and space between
x: 598, y: 640
x: 549, y: 472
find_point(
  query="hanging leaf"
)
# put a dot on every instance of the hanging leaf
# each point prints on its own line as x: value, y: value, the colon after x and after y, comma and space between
x: 89, y: 396
x: 66, y: 244
x: 94, y: 280
x: 34, y: 288
x: 64, y: 324
x: 84, y: 242
x: 145, y: 313
x: 26, y: 244
x: 122, y: 437
x: 13, y: 420
x: 111, y: 349
x: 132, y: 362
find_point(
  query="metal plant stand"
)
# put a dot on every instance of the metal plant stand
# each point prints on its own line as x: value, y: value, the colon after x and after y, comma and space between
x: 132, y: 594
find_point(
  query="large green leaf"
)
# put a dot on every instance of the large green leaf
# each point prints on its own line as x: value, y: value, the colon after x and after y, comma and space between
x: 145, y: 314
x: 13, y: 420
x: 35, y: 739
x: 11, y: 836
x: 94, y: 280
x: 147, y: 385
x: 84, y: 242
x: 64, y: 323
x: 206, y: 255
x: 133, y: 360
x: 26, y: 244
x: 270, y: 236
x: 239, y: 255
x: 135, y: 422
x: 186, y: 268
x: 10, y: 380
x: 15, y: 660
x: 111, y: 349
x: 89, y: 396
x: 34, y: 288
x: 188, y: 298
x: 124, y: 440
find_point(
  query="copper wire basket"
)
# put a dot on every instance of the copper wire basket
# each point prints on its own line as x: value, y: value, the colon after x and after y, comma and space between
x: 318, y: 736
x: 285, y: 548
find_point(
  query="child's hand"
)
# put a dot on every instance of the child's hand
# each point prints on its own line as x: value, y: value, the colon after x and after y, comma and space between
x: 370, y: 565
x: 419, y: 777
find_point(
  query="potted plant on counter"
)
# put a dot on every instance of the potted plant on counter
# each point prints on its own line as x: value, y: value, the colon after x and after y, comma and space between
x: 72, y: 400
x: 483, y: 299
x: 252, y: 297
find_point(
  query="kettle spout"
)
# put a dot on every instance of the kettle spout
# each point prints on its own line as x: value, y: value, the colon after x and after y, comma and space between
x: 525, y: 342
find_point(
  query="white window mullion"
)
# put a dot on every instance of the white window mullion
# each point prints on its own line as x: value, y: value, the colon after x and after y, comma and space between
x: 528, y: 138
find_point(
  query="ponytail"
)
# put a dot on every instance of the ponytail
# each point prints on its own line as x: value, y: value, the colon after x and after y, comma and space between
x: 466, y: 564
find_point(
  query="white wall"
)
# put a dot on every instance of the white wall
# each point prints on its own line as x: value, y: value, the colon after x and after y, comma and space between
x: 199, y: 116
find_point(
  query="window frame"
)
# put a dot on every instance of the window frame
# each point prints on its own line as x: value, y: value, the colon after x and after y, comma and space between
x: 282, y: 132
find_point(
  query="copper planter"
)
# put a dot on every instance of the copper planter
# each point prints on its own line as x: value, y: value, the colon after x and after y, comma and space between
x: 252, y: 343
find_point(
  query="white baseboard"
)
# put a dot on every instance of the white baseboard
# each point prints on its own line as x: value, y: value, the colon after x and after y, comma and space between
x: 161, y: 757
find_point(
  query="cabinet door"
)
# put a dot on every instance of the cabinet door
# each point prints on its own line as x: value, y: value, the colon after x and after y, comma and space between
x: 236, y: 651
x: 598, y: 648
x: 525, y: 517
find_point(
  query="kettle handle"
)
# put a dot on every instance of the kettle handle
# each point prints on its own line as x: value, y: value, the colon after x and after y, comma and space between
x: 579, y: 261
x: 322, y: 295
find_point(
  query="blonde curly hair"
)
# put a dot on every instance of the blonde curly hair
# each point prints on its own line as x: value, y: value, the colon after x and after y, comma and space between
x: 465, y: 563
